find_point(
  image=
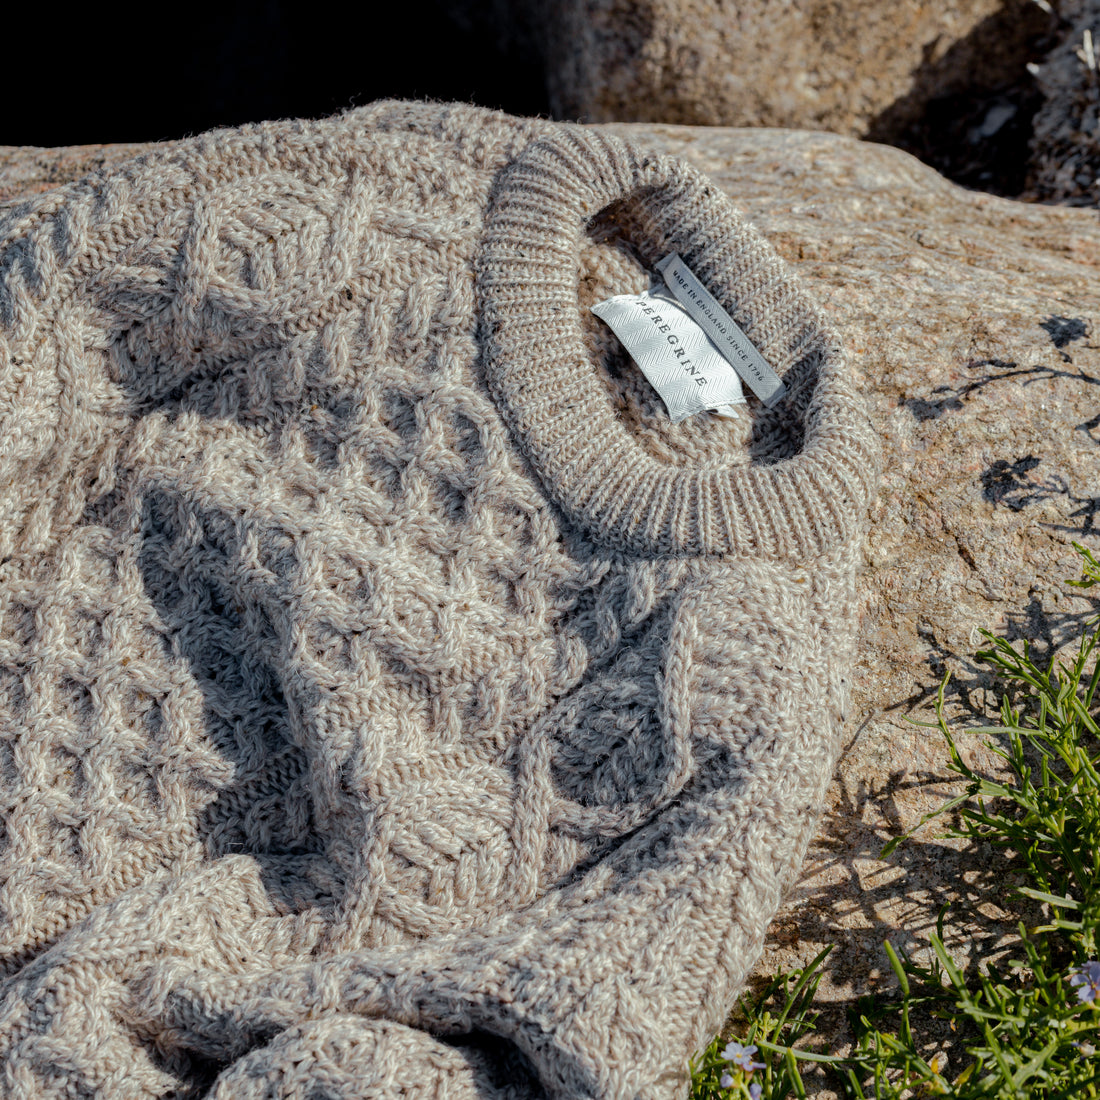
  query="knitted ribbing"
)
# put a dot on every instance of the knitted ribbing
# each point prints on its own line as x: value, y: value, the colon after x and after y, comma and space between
x: 392, y: 699
x: 580, y: 447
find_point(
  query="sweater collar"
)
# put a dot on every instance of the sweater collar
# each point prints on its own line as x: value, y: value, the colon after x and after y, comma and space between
x: 541, y: 373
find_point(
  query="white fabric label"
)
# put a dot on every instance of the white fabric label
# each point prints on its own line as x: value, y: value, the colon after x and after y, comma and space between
x: 727, y: 335
x: 673, y: 352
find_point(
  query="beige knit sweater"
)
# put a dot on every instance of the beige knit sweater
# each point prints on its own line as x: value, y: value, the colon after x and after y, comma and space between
x: 393, y: 701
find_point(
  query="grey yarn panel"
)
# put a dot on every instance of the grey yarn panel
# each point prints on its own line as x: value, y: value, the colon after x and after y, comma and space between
x: 392, y: 699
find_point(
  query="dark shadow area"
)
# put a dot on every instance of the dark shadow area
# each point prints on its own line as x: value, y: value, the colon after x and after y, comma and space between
x: 1064, y: 331
x: 1019, y: 482
x: 969, y: 691
x: 92, y: 76
x: 1009, y: 484
x: 1047, y: 632
x: 933, y: 873
x: 124, y: 79
x: 968, y: 112
x: 966, y: 691
x: 499, y: 1066
x: 264, y: 809
x: 975, y: 128
x: 987, y: 372
x: 1005, y: 482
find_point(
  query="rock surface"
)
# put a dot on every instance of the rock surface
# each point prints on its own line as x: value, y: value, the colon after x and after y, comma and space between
x: 973, y: 321
x: 28, y: 170
x: 1065, y: 142
x: 1000, y: 95
x: 849, y: 67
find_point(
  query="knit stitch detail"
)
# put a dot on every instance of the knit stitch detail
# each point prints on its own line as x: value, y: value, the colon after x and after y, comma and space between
x: 392, y: 699
x: 536, y: 355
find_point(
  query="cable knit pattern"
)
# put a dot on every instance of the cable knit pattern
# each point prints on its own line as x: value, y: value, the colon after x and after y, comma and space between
x: 392, y: 700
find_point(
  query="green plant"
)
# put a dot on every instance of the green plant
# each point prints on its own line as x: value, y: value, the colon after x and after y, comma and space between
x: 773, y: 1022
x: 1025, y: 1028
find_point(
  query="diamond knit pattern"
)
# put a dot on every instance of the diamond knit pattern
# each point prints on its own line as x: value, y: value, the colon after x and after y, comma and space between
x: 392, y: 700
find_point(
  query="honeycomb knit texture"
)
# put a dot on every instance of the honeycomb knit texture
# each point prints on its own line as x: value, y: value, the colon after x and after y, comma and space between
x: 392, y: 700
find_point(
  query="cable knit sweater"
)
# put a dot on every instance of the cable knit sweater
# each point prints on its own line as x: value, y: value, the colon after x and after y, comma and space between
x: 393, y: 701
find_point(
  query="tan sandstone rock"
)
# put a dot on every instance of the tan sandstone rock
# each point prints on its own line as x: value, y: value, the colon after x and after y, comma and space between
x: 857, y: 68
x: 973, y: 321
x: 27, y: 170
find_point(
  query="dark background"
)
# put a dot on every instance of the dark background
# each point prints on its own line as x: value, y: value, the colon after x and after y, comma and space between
x: 112, y: 73
x: 129, y: 73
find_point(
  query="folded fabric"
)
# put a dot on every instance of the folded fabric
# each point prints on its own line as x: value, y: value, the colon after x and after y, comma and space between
x: 393, y: 701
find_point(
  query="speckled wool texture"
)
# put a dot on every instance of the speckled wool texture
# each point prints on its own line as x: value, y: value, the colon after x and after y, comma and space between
x: 392, y: 700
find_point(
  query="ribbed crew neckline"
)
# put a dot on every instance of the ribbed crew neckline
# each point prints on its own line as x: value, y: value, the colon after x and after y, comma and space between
x: 550, y: 391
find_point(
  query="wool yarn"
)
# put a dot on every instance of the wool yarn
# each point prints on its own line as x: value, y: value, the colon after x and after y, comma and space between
x: 392, y: 699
